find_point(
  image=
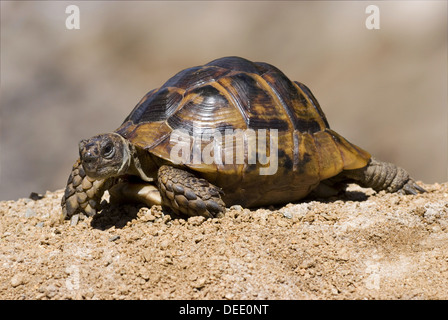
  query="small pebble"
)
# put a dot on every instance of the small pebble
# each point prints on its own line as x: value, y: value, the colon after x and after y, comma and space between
x: 164, y: 244
x: 17, y: 280
x: 229, y: 296
x: 287, y: 214
x: 196, y: 221
x: 30, y: 213
x: 282, y: 223
x: 74, y: 220
x: 36, y: 196
x: 200, y: 283
x: 198, y: 239
x: 150, y: 217
x: 113, y: 238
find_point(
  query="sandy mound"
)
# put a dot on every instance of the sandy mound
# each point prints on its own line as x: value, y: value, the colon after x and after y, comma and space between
x: 363, y: 245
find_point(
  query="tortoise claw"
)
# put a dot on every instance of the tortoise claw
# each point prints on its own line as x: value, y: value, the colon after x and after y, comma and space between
x: 82, y: 194
x: 411, y: 187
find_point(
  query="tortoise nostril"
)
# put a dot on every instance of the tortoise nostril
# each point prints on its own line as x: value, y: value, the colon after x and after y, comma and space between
x: 89, y: 153
x: 88, y: 157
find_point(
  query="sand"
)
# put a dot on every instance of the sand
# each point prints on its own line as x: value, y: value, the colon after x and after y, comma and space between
x: 362, y: 245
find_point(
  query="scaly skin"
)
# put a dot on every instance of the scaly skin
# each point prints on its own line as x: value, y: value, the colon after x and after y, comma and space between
x: 186, y: 194
x: 83, y: 194
x: 380, y: 175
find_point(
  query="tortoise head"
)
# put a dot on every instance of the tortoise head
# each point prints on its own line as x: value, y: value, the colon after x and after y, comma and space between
x: 105, y: 155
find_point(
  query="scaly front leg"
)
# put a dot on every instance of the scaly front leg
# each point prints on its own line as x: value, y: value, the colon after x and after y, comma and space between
x: 83, y: 194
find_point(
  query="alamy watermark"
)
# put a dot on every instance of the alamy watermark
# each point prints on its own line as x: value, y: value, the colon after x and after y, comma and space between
x: 373, y: 19
x: 73, y: 20
x: 235, y: 146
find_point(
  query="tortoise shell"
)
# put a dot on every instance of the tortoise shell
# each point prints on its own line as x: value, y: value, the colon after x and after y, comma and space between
x: 247, y: 97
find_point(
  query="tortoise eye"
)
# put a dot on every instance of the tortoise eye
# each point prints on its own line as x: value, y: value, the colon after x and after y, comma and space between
x: 108, y: 150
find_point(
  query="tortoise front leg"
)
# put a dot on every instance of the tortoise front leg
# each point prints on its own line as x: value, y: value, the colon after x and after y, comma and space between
x: 82, y: 194
x: 186, y: 194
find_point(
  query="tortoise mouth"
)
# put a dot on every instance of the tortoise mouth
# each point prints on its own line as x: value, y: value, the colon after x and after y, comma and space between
x: 94, y: 165
x: 93, y: 170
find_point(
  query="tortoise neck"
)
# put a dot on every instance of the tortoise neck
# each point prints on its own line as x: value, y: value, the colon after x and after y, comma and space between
x: 127, y: 156
x: 142, y: 165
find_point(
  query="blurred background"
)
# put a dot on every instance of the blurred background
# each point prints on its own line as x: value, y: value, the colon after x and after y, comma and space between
x: 384, y: 90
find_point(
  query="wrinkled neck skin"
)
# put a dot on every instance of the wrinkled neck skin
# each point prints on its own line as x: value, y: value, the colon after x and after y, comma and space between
x: 140, y: 163
x: 126, y: 157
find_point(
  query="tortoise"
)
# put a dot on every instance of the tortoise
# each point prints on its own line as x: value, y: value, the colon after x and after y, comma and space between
x: 231, y: 103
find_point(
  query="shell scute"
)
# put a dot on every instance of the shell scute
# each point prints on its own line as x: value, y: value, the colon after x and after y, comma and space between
x: 206, y: 107
x: 159, y: 106
x: 195, y: 77
x: 260, y: 109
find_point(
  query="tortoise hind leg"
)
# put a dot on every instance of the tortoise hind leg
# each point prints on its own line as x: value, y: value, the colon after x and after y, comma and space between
x: 380, y: 175
x: 186, y: 194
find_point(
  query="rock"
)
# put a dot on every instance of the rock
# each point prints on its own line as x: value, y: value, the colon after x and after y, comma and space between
x: 229, y: 296
x: 17, y: 280
x: 164, y: 244
x: 114, y: 237
x: 74, y: 220
x: 150, y: 217
x: 30, y: 213
x: 36, y: 196
x: 200, y: 283
x: 196, y: 221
